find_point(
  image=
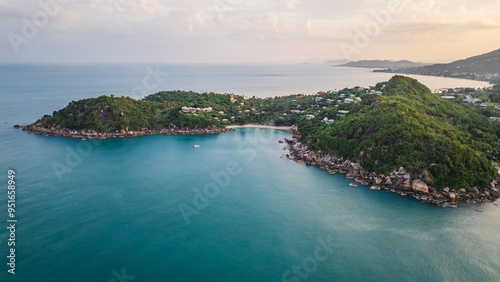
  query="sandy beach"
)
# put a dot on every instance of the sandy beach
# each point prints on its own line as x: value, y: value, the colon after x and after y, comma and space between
x: 260, y: 126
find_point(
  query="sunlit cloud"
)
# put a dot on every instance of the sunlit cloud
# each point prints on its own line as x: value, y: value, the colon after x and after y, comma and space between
x: 295, y: 30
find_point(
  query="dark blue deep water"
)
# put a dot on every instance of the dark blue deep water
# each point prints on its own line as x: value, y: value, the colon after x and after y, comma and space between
x: 235, y: 209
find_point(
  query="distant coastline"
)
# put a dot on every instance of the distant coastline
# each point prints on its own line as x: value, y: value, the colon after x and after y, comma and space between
x: 287, y: 128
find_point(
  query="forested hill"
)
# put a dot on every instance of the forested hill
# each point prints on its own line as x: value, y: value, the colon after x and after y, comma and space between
x: 483, y: 67
x: 411, y: 127
x: 396, y: 123
x: 110, y: 113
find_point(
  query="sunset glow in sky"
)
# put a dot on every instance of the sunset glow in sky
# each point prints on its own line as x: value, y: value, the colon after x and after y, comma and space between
x: 236, y: 31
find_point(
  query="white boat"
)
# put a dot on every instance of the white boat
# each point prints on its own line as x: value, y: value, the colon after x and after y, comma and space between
x: 196, y: 146
x: 353, y: 185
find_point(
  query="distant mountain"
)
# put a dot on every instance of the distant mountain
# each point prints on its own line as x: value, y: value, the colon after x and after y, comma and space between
x: 378, y: 64
x: 483, y: 67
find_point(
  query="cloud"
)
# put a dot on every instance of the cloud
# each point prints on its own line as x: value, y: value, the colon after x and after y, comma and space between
x: 429, y: 18
x: 314, y: 30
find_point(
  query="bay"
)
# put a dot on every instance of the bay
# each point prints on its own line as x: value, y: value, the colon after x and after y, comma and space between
x: 96, y: 210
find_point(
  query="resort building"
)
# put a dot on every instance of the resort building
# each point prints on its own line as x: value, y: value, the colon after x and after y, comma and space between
x: 327, y: 120
x: 342, y: 113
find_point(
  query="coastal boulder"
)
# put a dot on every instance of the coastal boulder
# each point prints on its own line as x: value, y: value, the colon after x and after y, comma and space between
x: 419, y: 185
x: 495, y: 192
x: 426, y: 177
x: 407, y: 185
x: 452, y: 196
x: 388, y: 181
x: 402, y: 171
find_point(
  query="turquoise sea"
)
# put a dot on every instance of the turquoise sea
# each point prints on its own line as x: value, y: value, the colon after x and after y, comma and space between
x: 235, y: 209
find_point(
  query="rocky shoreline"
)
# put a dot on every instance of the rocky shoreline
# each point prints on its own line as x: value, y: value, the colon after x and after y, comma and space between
x: 416, y: 185
x: 91, y: 134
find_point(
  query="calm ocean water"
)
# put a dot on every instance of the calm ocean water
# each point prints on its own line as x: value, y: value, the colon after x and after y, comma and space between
x: 235, y: 209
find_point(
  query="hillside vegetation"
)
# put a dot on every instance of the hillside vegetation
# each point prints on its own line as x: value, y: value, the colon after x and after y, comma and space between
x: 483, y: 67
x: 411, y: 127
x: 404, y: 125
x: 109, y: 113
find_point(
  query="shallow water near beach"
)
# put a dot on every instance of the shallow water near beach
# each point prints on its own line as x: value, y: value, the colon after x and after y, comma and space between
x: 235, y: 209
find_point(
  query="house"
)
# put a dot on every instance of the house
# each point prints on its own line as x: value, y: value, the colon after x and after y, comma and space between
x: 469, y: 100
x: 495, y: 118
x: 295, y: 111
x: 233, y: 118
x: 327, y: 120
x: 448, y: 97
x: 221, y: 113
x: 348, y: 100
x: 225, y: 120
x: 358, y: 99
x: 247, y: 111
x: 372, y: 91
x: 329, y: 100
x: 341, y: 95
x: 352, y: 95
x: 318, y: 99
x: 379, y: 93
x: 342, y: 113
x: 187, y: 109
x: 310, y: 117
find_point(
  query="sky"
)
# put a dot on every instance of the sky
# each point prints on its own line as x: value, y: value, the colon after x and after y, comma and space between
x: 237, y: 31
